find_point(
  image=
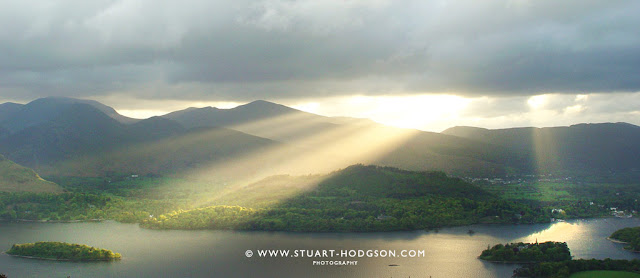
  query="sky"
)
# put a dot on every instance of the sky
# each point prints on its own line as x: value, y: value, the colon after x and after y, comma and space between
x: 421, y: 64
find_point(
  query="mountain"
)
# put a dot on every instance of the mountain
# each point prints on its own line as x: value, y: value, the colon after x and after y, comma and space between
x: 255, y: 111
x: 72, y: 137
x: 67, y: 137
x: 16, y: 178
x: 351, y: 121
x: 77, y: 129
x: 196, y: 153
x: 586, y: 149
x: 41, y: 110
x: 454, y: 155
x: 156, y: 127
x: 3, y: 132
x: 260, y: 118
x: 343, y: 141
x: 8, y: 108
x: 81, y: 140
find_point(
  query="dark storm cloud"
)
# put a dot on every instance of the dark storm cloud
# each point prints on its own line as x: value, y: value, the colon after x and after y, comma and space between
x: 242, y: 50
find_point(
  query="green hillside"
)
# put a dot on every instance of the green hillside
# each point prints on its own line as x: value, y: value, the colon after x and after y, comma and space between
x: 358, y: 198
x: 16, y: 178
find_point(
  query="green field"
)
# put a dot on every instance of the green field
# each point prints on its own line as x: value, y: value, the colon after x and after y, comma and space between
x: 563, y: 191
x: 605, y: 274
x: 16, y: 178
x: 577, y: 199
x: 538, y: 191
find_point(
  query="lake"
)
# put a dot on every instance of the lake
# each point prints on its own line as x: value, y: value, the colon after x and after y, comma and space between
x: 449, y: 252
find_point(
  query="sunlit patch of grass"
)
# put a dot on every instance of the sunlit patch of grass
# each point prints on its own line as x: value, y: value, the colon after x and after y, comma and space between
x: 16, y: 178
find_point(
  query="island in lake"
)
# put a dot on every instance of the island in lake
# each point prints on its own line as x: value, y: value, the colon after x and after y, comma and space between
x: 62, y: 251
x: 520, y: 252
x: 553, y: 259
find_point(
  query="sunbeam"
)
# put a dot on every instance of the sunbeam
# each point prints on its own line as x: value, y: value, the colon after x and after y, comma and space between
x: 318, y: 153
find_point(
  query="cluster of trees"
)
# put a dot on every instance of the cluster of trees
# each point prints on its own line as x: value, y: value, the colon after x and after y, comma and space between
x: 214, y: 217
x: 528, y: 252
x: 63, y: 251
x: 582, y: 209
x: 49, y: 206
x: 629, y: 235
x: 80, y: 206
x: 566, y: 268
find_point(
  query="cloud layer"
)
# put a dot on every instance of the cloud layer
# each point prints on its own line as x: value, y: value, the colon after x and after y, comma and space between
x: 276, y: 49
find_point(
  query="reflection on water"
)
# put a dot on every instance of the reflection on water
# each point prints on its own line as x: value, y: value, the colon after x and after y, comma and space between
x: 450, y: 252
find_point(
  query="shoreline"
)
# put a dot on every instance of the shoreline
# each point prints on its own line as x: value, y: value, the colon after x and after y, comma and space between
x: 617, y: 241
x: 432, y: 229
x: 52, y: 221
x: 623, y: 242
x: 60, y: 260
x: 508, y: 262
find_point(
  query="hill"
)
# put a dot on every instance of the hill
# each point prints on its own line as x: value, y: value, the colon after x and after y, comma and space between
x: 358, y: 198
x: 585, y: 149
x: 16, y: 178
x: 354, y: 181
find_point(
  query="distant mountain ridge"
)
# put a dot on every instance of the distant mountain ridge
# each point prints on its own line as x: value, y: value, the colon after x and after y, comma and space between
x: 81, y: 137
x: 259, y: 118
x: 421, y: 151
x: 16, y: 117
x: 581, y: 148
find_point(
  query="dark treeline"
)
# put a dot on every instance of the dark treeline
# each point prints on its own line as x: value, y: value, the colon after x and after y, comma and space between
x: 528, y: 252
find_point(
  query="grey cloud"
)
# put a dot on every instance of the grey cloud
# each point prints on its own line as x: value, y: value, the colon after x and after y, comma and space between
x: 614, y: 103
x: 242, y: 50
x: 494, y: 107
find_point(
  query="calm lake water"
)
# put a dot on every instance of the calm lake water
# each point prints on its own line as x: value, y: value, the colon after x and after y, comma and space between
x: 450, y: 252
